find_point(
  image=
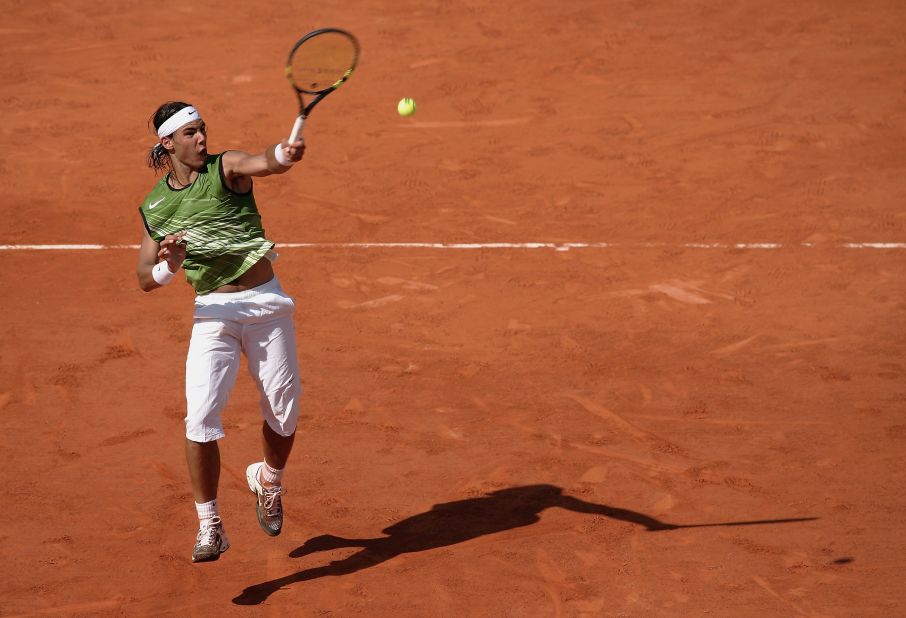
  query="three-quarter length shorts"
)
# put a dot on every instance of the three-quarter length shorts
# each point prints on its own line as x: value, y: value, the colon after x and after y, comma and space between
x: 258, y: 323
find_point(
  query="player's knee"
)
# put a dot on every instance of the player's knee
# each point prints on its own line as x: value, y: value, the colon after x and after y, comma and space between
x: 283, y: 426
x: 281, y: 408
x: 199, y: 431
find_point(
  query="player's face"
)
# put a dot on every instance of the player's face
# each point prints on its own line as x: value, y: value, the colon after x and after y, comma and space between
x: 191, y: 144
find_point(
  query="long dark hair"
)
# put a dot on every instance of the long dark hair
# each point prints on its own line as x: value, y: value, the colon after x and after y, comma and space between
x: 157, y: 156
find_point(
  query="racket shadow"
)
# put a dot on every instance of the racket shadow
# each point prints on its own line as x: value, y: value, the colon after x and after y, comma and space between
x: 455, y: 522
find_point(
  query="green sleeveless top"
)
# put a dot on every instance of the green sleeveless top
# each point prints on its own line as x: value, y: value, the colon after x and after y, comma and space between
x: 224, y: 236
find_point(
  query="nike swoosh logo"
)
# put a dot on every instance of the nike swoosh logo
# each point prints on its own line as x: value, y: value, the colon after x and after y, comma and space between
x: 156, y: 203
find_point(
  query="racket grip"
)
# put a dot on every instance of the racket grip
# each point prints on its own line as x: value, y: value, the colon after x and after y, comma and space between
x: 297, y: 128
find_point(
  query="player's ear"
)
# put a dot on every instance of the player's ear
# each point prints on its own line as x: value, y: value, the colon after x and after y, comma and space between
x: 167, y: 143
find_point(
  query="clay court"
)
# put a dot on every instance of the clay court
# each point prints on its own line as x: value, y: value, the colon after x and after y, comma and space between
x: 689, y: 398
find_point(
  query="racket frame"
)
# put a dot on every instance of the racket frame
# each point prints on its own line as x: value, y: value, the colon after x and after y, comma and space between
x: 305, y: 110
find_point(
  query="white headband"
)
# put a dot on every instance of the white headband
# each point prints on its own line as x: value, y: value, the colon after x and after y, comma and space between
x: 180, y: 118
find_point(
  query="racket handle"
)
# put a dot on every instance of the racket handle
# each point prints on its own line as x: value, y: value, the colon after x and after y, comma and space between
x: 297, y: 128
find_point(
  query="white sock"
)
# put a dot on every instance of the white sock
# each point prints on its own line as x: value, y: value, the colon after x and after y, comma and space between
x: 207, y: 511
x: 271, y: 475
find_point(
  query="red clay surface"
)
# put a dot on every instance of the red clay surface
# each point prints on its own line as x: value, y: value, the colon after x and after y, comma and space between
x: 486, y: 432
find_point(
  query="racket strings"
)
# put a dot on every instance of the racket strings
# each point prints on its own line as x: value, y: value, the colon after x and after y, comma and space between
x: 322, y: 62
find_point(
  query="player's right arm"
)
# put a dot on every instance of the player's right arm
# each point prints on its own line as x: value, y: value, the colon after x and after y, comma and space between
x: 171, y: 249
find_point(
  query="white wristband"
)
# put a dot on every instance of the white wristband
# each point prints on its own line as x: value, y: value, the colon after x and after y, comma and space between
x: 282, y: 160
x: 161, y: 273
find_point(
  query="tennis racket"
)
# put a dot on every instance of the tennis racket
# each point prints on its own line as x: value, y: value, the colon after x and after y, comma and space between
x: 319, y: 63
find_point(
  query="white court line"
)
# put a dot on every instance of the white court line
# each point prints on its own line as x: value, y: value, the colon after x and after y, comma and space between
x: 64, y: 247
x: 564, y: 246
x: 874, y: 245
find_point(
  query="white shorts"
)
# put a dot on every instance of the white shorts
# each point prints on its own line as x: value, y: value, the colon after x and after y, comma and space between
x: 258, y: 323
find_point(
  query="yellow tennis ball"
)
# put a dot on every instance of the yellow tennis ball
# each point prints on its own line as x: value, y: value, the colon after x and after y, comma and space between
x: 406, y: 107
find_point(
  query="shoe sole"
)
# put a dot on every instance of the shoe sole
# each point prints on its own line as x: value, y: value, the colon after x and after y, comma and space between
x: 211, y: 557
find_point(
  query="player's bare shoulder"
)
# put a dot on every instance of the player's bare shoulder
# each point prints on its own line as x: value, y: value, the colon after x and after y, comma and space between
x: 237, y: 173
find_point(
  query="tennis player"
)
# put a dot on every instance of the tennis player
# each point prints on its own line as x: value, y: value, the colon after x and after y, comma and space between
x: 201, y: 217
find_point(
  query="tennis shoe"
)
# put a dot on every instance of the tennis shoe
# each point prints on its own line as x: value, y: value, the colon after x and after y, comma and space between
x: 211, y: 541
x: 268, y: 505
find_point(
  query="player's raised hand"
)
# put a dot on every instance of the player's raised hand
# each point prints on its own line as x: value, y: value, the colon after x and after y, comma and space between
x: 293, y: 151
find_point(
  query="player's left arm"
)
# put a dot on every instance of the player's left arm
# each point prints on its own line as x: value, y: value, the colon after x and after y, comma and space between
x: 238, y: 164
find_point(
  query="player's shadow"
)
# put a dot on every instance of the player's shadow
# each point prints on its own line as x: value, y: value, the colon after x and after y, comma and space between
x: 455, y: 522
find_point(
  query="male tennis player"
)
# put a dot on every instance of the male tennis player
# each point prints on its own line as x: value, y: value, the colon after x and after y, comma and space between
x: 202, y: 217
